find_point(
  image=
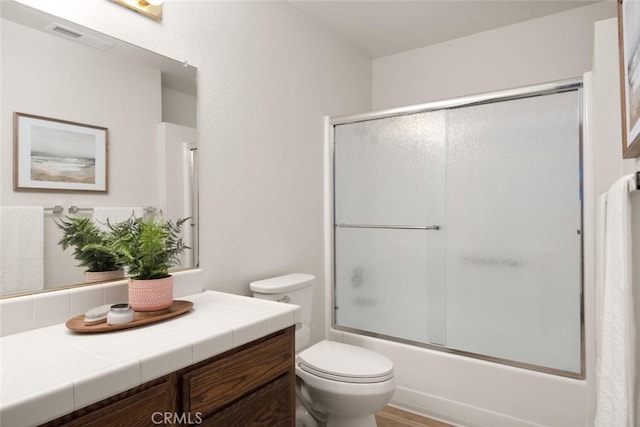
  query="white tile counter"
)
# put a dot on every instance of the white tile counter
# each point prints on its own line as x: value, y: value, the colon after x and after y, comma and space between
x: 49, y: 372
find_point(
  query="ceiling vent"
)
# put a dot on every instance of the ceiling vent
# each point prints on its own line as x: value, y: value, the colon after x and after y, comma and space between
x: 71, y: 34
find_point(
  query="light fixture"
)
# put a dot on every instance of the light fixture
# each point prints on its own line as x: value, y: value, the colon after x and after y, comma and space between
x: 150, y: 8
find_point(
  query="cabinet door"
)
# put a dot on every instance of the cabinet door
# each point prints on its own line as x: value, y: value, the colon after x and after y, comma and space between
x: 223, y: 381
x: 269, y: 406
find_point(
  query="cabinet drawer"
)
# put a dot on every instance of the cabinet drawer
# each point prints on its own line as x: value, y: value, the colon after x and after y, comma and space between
x: 135, y: 410
x: 269, y: 406
x: 227, y: 379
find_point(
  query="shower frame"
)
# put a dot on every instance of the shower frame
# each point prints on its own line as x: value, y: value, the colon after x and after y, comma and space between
x: 466, y: 101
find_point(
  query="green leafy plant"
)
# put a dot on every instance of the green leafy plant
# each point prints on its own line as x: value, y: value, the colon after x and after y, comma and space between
x: 91, y: 245
x: 148, y: 247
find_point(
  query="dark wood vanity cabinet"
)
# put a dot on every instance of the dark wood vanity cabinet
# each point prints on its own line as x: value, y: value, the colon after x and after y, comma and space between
x: 252, y: 385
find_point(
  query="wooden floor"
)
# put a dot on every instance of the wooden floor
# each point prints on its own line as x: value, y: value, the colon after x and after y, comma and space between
x: 394, y: 417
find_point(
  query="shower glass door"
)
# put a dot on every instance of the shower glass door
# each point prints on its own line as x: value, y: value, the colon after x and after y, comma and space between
x: 460, y: 229
x: 390, y: 258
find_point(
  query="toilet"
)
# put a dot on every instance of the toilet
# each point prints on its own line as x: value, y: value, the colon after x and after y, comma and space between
x: 337, y: 384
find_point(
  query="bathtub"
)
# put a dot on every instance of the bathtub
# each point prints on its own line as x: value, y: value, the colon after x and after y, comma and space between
x: 469, y: 392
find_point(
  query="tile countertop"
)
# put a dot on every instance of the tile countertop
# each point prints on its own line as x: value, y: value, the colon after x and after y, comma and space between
x: 49, y: 372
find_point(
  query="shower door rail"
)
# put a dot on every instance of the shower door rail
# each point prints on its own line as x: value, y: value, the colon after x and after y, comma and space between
x: 391, y: 227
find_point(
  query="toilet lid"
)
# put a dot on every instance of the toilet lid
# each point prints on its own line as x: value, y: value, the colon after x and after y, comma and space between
x: 344, y: 362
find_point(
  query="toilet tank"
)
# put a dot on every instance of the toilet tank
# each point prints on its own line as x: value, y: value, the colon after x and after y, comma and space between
x: 294, y: 288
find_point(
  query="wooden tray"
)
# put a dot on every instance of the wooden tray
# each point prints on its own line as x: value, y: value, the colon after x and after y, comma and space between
x: 178, y: 307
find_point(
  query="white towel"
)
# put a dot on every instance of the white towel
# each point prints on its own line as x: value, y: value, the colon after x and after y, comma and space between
x: 615, y: 353
x: 114, y: 214
x: 21, y: 249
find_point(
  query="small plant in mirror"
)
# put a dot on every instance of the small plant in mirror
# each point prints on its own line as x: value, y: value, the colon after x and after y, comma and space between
x: 91, y: 245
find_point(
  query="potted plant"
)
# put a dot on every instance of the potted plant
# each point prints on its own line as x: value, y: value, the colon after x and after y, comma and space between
x: 148, y: 248
x: 91, y: 247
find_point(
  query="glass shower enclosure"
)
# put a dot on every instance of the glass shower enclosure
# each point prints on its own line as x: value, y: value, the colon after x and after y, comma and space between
x: 458, y: 226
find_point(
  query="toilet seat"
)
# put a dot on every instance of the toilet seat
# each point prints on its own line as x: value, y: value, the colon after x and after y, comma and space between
x: 345, y: 363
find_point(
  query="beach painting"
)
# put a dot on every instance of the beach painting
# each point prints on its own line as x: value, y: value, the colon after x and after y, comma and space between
x: 629, y: 51
x: 53, y: 154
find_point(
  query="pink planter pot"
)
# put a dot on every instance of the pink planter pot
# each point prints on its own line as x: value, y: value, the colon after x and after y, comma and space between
x: 151, y: 295
x: 101, y: 276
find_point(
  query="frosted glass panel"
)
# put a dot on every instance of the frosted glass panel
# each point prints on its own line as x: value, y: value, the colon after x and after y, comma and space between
x: 513, y: 221
x: 382, y: 277
x: 389, y: 171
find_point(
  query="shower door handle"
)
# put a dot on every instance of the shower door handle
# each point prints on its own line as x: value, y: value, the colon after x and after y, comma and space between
x: 391, y: 227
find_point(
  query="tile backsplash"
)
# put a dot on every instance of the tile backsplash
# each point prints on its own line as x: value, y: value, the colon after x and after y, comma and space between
x: 28, y: 312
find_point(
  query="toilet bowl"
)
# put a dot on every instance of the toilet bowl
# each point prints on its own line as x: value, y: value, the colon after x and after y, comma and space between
x: 337, y: 384
x: 344, y: 385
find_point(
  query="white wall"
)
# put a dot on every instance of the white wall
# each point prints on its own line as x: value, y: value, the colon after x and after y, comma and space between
x: 551, y: 48
x: 179, y: 108
x: 608, y: 163
x: 266, y: 77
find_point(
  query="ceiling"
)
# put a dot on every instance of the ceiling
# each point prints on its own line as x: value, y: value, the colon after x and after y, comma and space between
x: 381, y: 28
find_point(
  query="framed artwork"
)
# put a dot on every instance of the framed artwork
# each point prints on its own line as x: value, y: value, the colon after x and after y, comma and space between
x: 629, y: 51
x: 58, y: 155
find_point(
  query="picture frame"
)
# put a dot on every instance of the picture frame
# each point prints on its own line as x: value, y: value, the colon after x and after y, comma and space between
x: 59, y: 155
x: 629, y: 53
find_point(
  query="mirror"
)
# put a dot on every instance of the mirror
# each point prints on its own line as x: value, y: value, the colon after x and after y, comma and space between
x: 56, y: 69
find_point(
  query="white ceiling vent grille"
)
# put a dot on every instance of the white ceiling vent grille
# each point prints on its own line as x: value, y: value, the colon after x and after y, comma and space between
x: 70, y: 33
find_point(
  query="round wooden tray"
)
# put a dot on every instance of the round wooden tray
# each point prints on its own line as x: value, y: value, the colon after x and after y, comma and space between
x: 178, y: 307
